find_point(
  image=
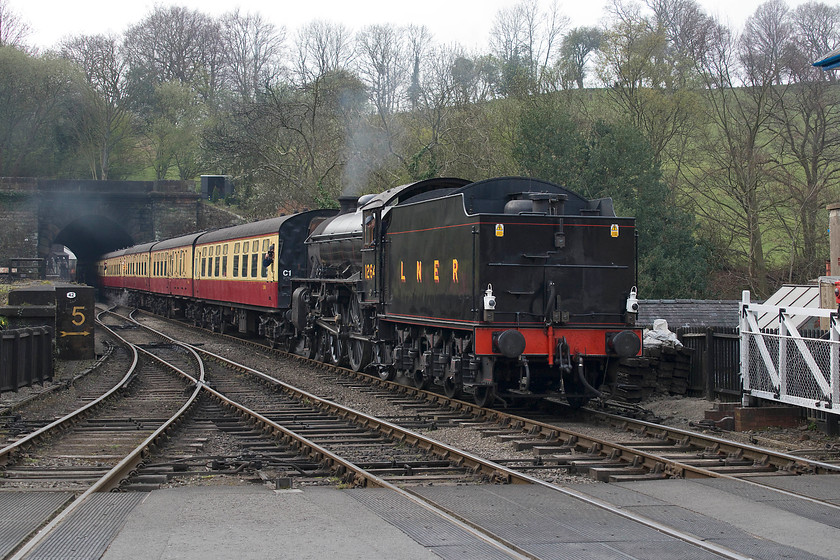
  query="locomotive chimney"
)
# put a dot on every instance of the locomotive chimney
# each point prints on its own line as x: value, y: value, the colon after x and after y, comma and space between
x: 347, y: 204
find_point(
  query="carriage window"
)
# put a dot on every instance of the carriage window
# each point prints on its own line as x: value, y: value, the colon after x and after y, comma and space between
x: 255, y: 246
x: 235, y: 265
x: 224, y: 265
x: 203, y: 267
x: 224, y: 250
x: 254, y: 258
x: 236, y: 248
x: 265, y: 245
x: 245, y: 264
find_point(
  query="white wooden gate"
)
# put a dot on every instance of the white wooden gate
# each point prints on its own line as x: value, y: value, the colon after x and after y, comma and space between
x: 782, y: 365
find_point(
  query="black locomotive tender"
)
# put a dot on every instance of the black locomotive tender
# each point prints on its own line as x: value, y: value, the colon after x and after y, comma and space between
x: 505, y: 288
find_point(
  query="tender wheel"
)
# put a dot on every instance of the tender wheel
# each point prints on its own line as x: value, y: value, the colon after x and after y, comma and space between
x: 380, y: 357
x: 358, y: 354
x: 420, y: 381
x: 484, y: 396
x: 450, y: 388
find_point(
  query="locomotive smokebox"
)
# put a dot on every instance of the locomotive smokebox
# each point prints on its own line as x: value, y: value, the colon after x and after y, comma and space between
x: 347, y: 204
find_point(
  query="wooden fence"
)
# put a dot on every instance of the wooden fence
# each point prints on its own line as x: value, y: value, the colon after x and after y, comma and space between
x: 26, y: 357
x: 715, y: 366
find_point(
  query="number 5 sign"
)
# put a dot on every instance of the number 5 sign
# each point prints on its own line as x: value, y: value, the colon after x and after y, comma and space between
x: 74, y: 308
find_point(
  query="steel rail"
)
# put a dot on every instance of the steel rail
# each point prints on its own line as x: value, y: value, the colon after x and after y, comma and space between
x: 664, y: 432
x: 9, y: 451
x: 121, y: 470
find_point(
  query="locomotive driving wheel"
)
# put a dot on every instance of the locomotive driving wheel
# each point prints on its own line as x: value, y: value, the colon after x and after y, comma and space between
x: 335, y: 349
x: 358, y: 354
x: 358, y: 351
x: 320, y: 346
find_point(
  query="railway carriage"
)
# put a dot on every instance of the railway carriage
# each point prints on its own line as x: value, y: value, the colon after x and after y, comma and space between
x: 109, y: 268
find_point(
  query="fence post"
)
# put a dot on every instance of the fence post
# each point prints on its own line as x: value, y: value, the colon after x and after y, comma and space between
x: 27, y: 346
x: 744, y: 327
x: 708, y: 364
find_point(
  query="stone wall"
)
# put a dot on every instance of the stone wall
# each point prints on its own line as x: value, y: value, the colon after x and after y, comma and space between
x: 18, y: 219
x: 211, y: 216
x: 35, y: 212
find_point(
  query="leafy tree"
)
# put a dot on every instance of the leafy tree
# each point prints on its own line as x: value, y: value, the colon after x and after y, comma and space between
x: 621, y: 164
x: 173, y: 131
x: 550, y: 145
x: 36, y: 94
x: 615, y: 160
x: 575, y: 50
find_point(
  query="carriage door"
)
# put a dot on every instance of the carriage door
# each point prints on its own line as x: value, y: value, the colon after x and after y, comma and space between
x: 371, y: 254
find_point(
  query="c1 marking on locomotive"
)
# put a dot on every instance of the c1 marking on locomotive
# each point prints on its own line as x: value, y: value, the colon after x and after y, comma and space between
x: 500, y: 230
x: 370, y: 271
x: 614, y: 230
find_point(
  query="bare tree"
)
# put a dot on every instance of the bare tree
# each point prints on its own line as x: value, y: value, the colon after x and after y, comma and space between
x: 13, y: 30
x: 105, y: 123
x: 253, y: 49
x: 735, y: 187
x: 527, y: 41
x: 381, y: 62
x: 636, y: 65
x: 175, y: 44
x: 322, y: 48
x: 807, y: 125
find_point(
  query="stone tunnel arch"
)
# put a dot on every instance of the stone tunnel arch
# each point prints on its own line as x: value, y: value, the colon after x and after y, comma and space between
x: 88, y: 237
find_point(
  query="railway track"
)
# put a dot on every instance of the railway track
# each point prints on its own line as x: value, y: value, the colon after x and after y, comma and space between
x: 342, y: 440
x: 522, y: 431
x: 92, y: 448
x: 648, y: 451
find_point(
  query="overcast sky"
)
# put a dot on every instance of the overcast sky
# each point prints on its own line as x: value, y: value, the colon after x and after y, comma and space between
x: 467, y: 22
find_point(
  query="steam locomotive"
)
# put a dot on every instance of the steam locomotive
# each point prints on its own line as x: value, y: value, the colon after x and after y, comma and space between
x: 505, y: 289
